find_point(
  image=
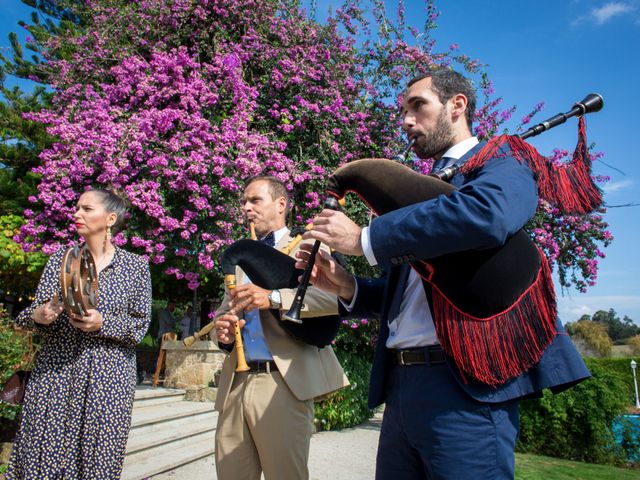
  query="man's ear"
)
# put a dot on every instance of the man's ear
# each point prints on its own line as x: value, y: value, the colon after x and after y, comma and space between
x: 458, y: 106
x: 282, y: 204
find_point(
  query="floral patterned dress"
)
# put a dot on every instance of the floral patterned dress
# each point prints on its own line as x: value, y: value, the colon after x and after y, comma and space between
x: 77, y: 408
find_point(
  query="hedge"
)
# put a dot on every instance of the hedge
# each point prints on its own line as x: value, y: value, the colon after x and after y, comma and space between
x: 578, y: 424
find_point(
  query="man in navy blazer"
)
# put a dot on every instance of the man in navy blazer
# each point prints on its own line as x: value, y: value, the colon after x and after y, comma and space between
x: 436, y: 424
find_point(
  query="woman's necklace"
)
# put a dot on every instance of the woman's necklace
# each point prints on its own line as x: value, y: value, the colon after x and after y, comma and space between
x: 103, y: 261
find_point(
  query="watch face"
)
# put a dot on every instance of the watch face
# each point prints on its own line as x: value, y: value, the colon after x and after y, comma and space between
x: 274, y: 298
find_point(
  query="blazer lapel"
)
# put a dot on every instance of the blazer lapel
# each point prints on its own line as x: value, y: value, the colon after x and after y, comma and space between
x: 284, y: 241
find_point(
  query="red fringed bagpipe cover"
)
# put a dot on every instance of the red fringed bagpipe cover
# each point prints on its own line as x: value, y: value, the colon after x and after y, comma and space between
x: 495, y: 349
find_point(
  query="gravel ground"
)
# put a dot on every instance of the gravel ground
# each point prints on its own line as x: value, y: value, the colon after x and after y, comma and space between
x: 348, y: 454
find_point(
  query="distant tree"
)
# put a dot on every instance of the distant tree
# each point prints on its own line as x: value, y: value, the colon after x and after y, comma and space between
x: 594, y: 334
x: 634, y: 343
x: 21, y: 139
x: 616, y: 328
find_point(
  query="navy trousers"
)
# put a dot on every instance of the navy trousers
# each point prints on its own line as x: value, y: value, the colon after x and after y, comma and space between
x: 433, y: 430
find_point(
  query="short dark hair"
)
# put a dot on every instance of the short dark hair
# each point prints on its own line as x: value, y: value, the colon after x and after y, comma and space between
x: 277, y: 188
x: 112, y: 204
x: 447, y: 83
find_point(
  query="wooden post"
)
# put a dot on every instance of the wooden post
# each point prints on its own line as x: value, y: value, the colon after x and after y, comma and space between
x: 166, y: 337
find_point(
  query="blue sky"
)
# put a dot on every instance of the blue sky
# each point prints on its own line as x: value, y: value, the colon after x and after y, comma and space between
x: 556, y: 52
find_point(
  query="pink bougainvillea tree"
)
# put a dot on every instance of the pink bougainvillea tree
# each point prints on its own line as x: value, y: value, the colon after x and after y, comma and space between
x: 174, y: 103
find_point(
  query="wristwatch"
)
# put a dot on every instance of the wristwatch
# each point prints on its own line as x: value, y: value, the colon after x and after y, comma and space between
x: 275, y: 300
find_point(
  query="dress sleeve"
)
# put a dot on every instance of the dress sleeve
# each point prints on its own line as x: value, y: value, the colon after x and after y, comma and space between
x: 130, y: 326
x: 48, y: 286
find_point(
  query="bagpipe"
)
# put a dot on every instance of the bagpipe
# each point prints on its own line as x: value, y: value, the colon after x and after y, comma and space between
x: 79, y: 280
x: 272, y: 269
x: 494, y: 309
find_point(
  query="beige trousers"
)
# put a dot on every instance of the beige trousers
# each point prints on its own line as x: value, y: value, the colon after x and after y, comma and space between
x: 263, y: 428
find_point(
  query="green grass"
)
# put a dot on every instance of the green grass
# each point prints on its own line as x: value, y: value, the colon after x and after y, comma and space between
x: 534, y: 467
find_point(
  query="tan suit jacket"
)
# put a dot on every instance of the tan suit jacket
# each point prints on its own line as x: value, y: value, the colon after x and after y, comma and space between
x: 309, y: 371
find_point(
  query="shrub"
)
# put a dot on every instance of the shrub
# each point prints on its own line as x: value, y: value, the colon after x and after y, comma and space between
x: 577, y: 424
x: 622, y: 366
x: 347, y: 407
x: 16, y: 352
x: 354, y: 348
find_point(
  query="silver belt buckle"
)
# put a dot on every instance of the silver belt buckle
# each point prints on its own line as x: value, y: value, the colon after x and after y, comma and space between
x: 402, y: 362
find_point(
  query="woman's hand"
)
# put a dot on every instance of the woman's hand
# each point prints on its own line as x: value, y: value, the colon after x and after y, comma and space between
x: 47, y: 313
x: 91, y: 322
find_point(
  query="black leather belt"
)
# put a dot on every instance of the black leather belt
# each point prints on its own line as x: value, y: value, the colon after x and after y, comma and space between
x: 432, y: 355
x: 262, y: 367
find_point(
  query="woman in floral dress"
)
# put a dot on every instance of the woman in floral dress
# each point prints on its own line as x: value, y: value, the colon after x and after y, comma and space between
x: 77, y: 408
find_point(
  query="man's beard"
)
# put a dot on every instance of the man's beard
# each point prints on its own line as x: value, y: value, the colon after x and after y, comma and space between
x: 437, y: 141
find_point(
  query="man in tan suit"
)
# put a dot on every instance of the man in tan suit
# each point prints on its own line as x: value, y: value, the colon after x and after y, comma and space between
x: 266, y: 414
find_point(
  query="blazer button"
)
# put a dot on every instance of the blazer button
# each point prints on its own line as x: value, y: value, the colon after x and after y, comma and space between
x: 394, y: 261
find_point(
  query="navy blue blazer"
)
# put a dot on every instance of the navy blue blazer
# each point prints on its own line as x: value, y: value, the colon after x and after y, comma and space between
x: 489, y: 206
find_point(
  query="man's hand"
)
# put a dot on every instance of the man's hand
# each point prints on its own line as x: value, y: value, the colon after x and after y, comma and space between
x: 327, y: 274
x: 247, y: 297
x: 338, y: 231
x: 225, y: 325
x: 47, y: 313
x: 90, y: 322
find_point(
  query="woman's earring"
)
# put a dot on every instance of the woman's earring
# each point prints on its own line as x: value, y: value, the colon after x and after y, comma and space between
x: 107, y: 239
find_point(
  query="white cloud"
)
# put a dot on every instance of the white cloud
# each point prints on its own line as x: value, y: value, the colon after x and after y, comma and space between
x: 611, y: 187
x: 607, y: 12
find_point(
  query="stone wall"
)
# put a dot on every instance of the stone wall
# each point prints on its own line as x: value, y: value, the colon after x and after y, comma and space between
x: 192, y: 368
x: 584, y: 348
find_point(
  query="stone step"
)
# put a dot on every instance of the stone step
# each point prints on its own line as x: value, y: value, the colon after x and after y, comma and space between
x: 147, y: 396
x: 161, y: 450
x: 166, y: 436
x: 167, y: 433
x: 168, y: 457
x: 146, y: 418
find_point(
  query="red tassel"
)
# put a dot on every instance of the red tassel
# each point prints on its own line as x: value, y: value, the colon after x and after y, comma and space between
x: 569, y: 187
x: 496, y: 349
